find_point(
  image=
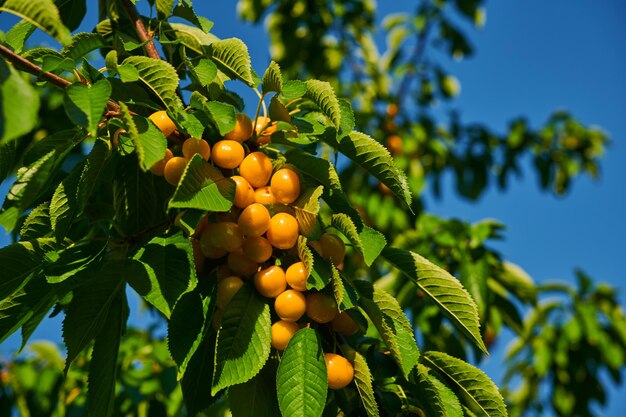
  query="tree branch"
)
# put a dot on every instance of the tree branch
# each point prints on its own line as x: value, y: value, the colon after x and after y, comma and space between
x: 25, y: 65
x: 140, y: 28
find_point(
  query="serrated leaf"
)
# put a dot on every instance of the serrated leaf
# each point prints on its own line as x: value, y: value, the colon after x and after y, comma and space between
x: 81, y: 44
x: 429, y: 391
x: 159, y: 76
x: 8, y: 156
x: 128, y: 73
x: 441, y: 287
x: 301, y: 379
x: 363, y: 381
x: 293, y: 89
x: 368, y: 241
x: 320, y: 274
x: 85, y: 104
x: 243, y: 341
x: 306, y: 210
x: 516, y: 280
x: 42, y: 13
x: 64, y: 204
x: 185, y: 10
x: 110, y: 60
x: 195, y: 383
x: 347, y: 117
x: 232, y: 57
x: 169, y: 271
x: 20, y: 263
x: 19, y: 104
x: 185, y: 329
x: 203, y: 187
x: 66, y: 263
x: 204, y: 71
x: 164, y: 8
x: 322, y: 94
x: 339, y: 291
x: 191, y: 37
x: 72, y: 12
x: 90, y: 306
x: 272, y: 79
x: 18, y: 34
x: 37, y: 224
x: 323, y: 172
x: 387, y: 315
x: 150, y: 143
x: 479, y: 393
x: 257, y: 397
x: 305, y: 255
x: 103, y: 365
x: 370, y: 155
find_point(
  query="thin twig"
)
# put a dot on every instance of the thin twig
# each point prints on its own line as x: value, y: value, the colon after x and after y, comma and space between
x: 25, y: 65
x: 140, y: 28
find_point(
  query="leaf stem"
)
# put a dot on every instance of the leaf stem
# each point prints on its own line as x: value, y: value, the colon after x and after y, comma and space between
x: 140, y: 28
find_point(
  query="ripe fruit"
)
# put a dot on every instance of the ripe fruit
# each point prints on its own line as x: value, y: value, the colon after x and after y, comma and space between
x: 242, y: 130
x: 392, y: 109
x: 339, y: 371
x: 316, y: 246
x: 159, y: 167
x: 264, y: 135
x: 296, y: 276
x: 254, y: 220
x: 240, y: 264
x: 194, y: 146
x: 227, y: 236
x: 394, y: 144
x: 208, y: 248
x: 263, y: 195
x: 283, y: 231
x: 174, y: 169
x: 285, y: 186
x: 163, y: 122
x: 333, y: 248
x: 320, y: 307
x: 228, y: 154
x: 226, y: 290
x: 290, y: 305
x: 282, y: 332
x: 344, y: 324
x: 256, y: 168
x: 257, y: 249
x: 244, y: 193
x: 270, y: 282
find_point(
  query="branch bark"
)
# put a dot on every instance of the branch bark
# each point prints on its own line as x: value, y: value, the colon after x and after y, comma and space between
x: 25, y: 65
x: 140, y: 28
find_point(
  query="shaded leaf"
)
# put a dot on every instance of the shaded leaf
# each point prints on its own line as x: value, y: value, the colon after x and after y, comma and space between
x: 42, y: 13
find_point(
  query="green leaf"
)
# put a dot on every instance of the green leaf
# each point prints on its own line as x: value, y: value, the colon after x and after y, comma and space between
x: 204, y: 71
x: 85, y: 104
x: 64, y: 204
x: 203, y: 187
x: 301, y: 379
x: 90, y: 306
x: 72, y: 12
x: 478, y: 392
x: 363, y: 381
x: 306, y: 209
x: 8, y: 156
x: 134, y: 197
x: 83, y: 43
x: 232, y: 57
x: 186, y: 328
x: 516, y: 280
x: 441, y: 287
x: 347, y: 117
x: 128, y: 73
x: 320, y: 273
x: 164, y: 8
x: 195, y: 383
x: 293, y: 89
x: 376, y: 160
x: 18, y: 34
x: 20, y: 263
x: 272, y: 79
x: 63, y: 264
x: 243, y: 341
x: 170, y: 271
x: 185, y: 10
x: 322, y: 94
x: 429, y: 391
x: 103, y: 365
x: 368, y: 241
x: 42, y: 13
x: 257, y: 397
x: 387, y: 315
x: 37, y: 224
x: 222, y: 115
x: 150, y: 143
x: 19, y: 104
x: 159, y: 76
x: 191, y: 37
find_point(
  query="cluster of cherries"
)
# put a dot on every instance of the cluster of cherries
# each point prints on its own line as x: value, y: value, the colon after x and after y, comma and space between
x: 258, y: 236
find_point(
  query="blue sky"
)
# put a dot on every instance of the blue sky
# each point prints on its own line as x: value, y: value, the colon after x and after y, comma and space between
x: 532, y: 57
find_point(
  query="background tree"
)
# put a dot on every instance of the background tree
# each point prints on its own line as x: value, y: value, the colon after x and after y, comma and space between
x: 392, y: 91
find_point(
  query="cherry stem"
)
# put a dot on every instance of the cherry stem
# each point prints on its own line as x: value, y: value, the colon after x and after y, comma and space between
x: 140, y: 28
